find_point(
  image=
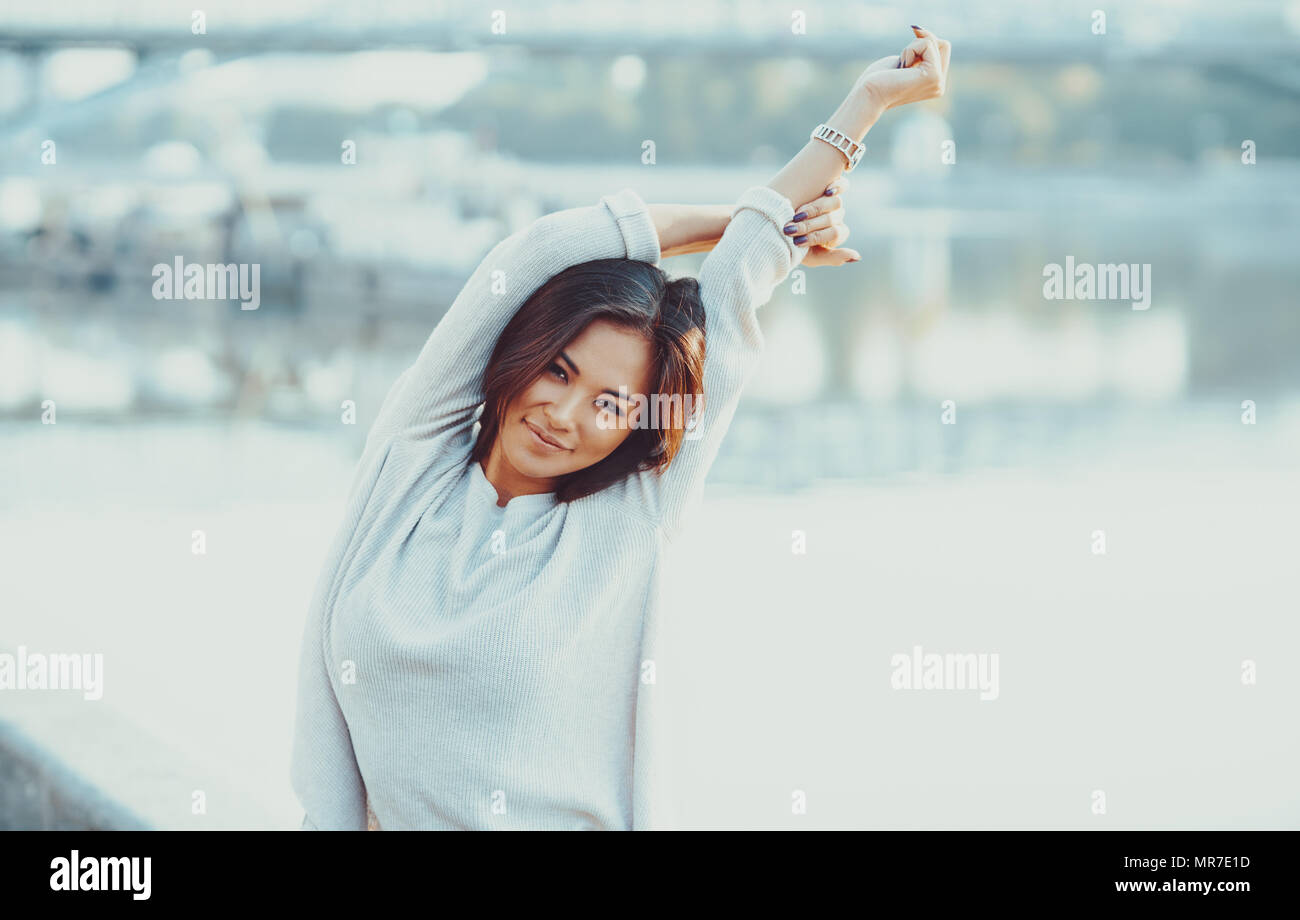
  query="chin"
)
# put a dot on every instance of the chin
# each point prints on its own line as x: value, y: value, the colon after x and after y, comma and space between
x: 519, y: 453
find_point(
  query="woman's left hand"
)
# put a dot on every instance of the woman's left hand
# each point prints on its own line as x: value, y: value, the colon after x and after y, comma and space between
x: 820, y: 224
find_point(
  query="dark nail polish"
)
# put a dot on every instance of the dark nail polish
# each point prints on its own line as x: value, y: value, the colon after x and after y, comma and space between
x: 829, y: 191
x: 916, y: 27
x: 799, y: 239
x: 790, y: 228
x: 802, y: 215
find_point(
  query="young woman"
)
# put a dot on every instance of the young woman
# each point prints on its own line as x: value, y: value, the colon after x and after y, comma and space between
x: 479, y: 652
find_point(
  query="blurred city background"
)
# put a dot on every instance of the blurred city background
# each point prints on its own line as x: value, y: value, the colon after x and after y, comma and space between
x: 229, y: 145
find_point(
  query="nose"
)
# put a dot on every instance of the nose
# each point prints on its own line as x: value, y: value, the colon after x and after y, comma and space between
x: 559, y: 414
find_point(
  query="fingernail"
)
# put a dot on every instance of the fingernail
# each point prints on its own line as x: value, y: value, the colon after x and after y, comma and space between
x: 916, y: 27
x: 791, y: 228
x: 800, y: 239
x: 802, y: 215
x: 829, y: 191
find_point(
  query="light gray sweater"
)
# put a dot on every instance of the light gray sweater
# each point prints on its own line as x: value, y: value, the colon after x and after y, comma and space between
x: 471, y: 666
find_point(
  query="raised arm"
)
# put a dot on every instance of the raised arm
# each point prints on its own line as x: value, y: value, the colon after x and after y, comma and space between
x: 687, y: 228
x: 441, y: 390
x: 883, y: 85
x: 753, y: 257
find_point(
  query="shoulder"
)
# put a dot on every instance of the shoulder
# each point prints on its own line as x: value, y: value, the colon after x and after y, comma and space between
x: 396, y: 472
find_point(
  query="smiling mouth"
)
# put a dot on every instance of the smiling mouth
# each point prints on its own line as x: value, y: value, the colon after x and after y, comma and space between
x: 543, y: 438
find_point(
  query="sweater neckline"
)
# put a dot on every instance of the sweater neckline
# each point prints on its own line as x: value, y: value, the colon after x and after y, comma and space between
x: 541, y: 501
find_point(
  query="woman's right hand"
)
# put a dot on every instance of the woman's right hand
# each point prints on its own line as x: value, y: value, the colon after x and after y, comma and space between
x: 923, y: 73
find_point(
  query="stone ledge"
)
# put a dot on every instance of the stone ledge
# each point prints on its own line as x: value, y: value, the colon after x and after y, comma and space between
x: 67, y: 763
x: 40, y: 792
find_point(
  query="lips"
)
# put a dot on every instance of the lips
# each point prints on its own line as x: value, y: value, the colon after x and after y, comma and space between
x: 543, y: 438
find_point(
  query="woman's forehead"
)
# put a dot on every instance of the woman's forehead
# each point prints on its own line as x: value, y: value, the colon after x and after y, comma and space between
x: 603, y: 349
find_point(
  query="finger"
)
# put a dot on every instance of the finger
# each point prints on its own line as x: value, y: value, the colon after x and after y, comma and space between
x: 829, y: 236
x: 945, y: 47
x: 814, y: 209
x: 798, y: 228
x: 922, y: 50
x: 838, y: 234
x: 907, y: 57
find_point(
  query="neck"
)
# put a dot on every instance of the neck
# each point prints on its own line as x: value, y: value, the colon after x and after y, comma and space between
x: 508, y: 481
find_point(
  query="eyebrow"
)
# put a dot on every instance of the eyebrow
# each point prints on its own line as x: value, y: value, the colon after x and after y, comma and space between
x: 578, y: 373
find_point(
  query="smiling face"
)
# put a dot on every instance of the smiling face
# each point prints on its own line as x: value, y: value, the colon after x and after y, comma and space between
x: 574, y: 403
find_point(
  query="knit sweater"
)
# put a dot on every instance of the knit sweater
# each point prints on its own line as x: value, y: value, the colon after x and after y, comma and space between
x: 471, y: 666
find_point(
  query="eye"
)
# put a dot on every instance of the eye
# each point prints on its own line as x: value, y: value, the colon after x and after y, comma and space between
x: 610, y: 405
x: 558, y: 371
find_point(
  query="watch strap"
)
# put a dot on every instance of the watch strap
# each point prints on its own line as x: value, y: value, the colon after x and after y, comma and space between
x: 852, y: 150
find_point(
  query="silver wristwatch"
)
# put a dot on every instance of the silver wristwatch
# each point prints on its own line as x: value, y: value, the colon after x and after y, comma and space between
x: 846, y: 145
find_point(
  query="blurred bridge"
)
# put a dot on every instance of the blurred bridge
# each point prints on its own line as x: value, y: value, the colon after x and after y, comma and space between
x: 1021, y: 31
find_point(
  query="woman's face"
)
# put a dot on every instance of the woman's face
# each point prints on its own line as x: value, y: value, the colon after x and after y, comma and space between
x: 575, y: 403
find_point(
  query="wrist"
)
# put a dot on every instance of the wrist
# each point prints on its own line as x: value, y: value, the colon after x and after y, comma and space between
x: 860, y: 110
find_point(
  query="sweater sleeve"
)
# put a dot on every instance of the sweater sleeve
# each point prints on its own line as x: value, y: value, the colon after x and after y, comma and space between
x: 323, y: 767
x: 444, y: 387
x: 753, y: 256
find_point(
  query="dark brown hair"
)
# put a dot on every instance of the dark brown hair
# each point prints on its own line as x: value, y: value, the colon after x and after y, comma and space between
x: 634, y: 295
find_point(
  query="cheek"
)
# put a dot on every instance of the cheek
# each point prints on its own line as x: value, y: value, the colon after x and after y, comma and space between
x: 535, y: 393
x: 601, y: 441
